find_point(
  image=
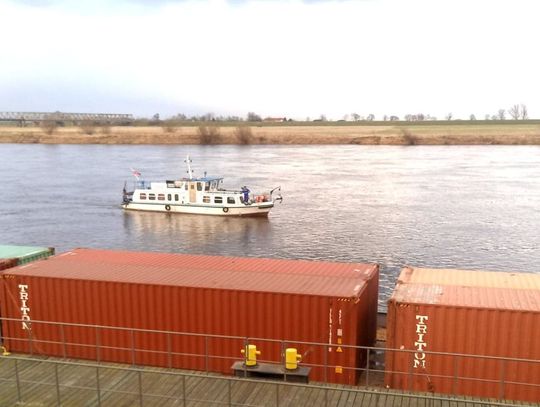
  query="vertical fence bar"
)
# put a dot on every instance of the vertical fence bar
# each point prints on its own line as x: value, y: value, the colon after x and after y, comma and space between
x: 326, y: 350
x: 277, y: 394
x: 139, y: 377
x: 455, y: 381
x: 58, y: 397
x: 206, y: 353
x: 284, y: 360
x: 184, y: 390
x: 98, y: 386
x: 63, y: 336
x: 132, y: 347
x: 17, y: 380
x: 502, y: 383
x: 229, y: 387
x: 98, y: 355
x: 367, y: 367
x: 31, y: 343
x: 169, y: 350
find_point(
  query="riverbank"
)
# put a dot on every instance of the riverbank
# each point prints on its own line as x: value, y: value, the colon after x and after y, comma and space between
x: 366, y: 134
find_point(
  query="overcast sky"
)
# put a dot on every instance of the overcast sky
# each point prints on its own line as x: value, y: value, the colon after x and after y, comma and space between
x: 288, y: 58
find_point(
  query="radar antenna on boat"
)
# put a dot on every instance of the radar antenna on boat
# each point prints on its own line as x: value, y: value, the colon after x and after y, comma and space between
x: 189, y: 170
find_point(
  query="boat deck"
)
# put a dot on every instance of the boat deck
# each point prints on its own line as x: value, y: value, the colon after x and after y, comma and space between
x: 33, y: 381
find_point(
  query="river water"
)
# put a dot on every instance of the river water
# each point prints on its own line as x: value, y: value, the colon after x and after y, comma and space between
x: 474, y: 207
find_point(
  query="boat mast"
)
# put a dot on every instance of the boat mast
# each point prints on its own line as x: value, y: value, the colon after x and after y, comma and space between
x: 189, y: 170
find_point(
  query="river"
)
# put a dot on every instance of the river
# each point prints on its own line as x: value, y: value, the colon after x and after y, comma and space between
x: 474, y: 207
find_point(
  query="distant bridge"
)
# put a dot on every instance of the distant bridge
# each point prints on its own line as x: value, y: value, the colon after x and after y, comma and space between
x: 60, y: 117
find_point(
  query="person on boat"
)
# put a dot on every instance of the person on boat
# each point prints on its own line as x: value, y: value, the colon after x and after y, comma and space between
x: 245, y: 191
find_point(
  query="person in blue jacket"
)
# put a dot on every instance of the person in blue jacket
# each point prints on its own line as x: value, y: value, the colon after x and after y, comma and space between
x: 245, y: 191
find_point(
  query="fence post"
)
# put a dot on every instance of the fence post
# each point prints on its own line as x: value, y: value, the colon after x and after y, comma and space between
x: 502, y: 383
x: 98, y: 387
x: 326, y: 350
x: 63, y: 336
x: 206, y: 353
x: 283, y: 361
x: 98, y: 356
x: 169, y: 350
x: 229, y: 381
x: 367, y: 367
x: 184, y: 389
x: 18, y: 381
x: 277, y: 394
x: 139, y: 376
x: 132, y: 347
x: 58, y: 398
x: 454, y: 382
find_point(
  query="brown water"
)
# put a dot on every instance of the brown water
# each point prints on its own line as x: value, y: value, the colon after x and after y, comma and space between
x: 472, y: 207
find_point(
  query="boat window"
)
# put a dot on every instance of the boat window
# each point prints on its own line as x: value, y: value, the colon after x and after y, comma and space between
x: 199, y: 186
x: 152, y: 197
x: 142, y: 196
x: 161, y: 197
x: 185, y: 186
x: 206, y: 186
x: 176, y: 197
x: 169, y: 197
x: 206, y: 199
x: 218, y: 199
x: 230, y: 200
x: 193, y: 186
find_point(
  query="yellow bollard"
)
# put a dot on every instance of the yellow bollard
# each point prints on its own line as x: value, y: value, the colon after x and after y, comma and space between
x: 250, y: 353
x: 292, y: 358
x: 4, y: 351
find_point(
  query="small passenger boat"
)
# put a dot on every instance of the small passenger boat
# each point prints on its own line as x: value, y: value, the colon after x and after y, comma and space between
x: 204, y: 196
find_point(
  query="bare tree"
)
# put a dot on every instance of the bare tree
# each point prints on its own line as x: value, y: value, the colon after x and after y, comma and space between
x: 370, y: 117
x: 501, y: 114
x: 355, y: 116
x: 449, y: 116
x: 472, y: 117
x: 514, y: 112
x: 394, y: 118
x: 385, y: 118
x: 253, y: 117
x: 524, y: 113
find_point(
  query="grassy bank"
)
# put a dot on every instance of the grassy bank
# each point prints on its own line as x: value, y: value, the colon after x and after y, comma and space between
x: 383, y: 133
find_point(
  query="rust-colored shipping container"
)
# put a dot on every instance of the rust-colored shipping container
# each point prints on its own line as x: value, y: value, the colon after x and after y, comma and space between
x: 334, y: 304
x: 492, y: 314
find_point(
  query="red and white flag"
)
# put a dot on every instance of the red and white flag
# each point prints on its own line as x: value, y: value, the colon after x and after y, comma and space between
x: 135, y: 173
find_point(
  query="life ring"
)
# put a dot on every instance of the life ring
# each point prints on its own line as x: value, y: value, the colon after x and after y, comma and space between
x: 225, y: 210
x: 168, y: 207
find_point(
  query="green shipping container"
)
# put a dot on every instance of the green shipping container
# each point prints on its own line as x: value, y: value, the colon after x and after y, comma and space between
x: 25, y: 254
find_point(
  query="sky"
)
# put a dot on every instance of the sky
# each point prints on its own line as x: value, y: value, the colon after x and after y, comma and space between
x: 277, y: 58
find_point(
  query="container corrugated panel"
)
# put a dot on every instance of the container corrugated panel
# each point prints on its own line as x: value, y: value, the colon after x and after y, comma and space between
x: 492, y: 314
x: 297, y: 301
x: 25, y: 254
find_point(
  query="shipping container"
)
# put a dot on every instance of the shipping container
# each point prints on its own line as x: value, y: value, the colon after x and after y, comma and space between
x: 494, y: 315
x: 25, y: 254
x: 218, y: 300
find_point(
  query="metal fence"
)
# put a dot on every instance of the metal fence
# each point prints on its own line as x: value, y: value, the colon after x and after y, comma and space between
x: 371, y: 371
x: 49, y: 382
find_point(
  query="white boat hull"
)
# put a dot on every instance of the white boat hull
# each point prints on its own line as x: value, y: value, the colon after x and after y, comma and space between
x: 255, y: 209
